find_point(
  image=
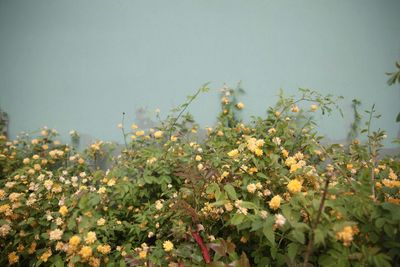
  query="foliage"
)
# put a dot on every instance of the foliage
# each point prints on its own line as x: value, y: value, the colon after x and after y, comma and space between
x: 3, y: 122
x: 393, y: 79
x: 264, y: 193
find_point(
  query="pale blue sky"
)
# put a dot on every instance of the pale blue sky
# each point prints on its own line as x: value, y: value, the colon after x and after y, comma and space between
x: 79, y: 64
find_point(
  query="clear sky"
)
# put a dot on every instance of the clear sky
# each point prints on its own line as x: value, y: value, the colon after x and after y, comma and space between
x: 80, y: 64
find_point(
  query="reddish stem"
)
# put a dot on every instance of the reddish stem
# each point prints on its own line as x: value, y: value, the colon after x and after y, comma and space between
x: 203, y: 248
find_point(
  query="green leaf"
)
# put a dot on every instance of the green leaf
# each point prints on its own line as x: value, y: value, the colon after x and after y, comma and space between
x: 257, y: 224
x: 380, y: 222
x: 319, y: 237
x: 393, y: 208
x: 268, y: 231
x: 298, y: 236
x: 248, y: 205
x: 261, y: 175
x: 58, y: 262
x: 237, y: 219
x: 292, y: 250
x: 231, y: 191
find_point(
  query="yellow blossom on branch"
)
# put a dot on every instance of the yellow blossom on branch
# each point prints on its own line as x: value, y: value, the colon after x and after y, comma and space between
x: 233, y: 153
x: 275, y: 202
x: 168, y: 246
x: 13, y: 258
x: 294, y: 186
x: 63, y: 210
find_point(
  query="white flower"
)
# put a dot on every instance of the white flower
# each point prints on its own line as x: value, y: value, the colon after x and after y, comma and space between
x: 59, y: 221
x: 251, y: 188
x: 263, y: 214
x: 159, y: 205
x: 5, y: 230
x: 276, y: 140
x: 56, y: 234
x: 279, y: 220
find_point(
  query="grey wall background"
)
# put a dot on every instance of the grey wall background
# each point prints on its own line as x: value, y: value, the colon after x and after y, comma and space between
x: 80, y: 64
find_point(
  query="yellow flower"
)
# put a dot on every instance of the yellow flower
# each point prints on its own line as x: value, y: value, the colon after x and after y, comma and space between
x: 134, y: 126
x: 294, y: 186
x: 314, y: 107
x: 224, y: 100
x: 37, y: 167
x: 295, y: 167
x: 290, y: 161
x: 13, y: 197
x: 258, y: 152
x: 20, y: 248
x: 252, y: 170
x: 272, y: 131
x: 101, y: 190
x: 139, y: 133
x: 90, y: 238
x: 349, y: 166
x: 158, y: 134
x: 85, y: 252
x: 101, y: 222
x: 74, y: 241
x: 392, y: 175
x: 346, y: 235
x: 159, y: 205
x: 275, y: 202
x: 13, y: 258
x: 174, y: 138
x: 168, y: 246
x: 228, y: 206
x: 198, y: 158
x: 32, y: 248
x: 295, y: 109
x: 233, y: 153
x: 251, y: 188
x: 45, y: 256
x: 94, y: 262
x: 26, y: 161
x: 63, y: 210
x: 200, y: 166
x: 5, y: 208
x: 104, y: 249
x: 111, y: 182
x: 240, y: 105
x: 143, y: 254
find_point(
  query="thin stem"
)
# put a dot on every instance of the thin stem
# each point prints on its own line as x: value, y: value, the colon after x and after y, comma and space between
x: 123, y: 130
x: 186, y: 105
x: 316, y: 222
x: 372, y: 152
x: 333, y: 162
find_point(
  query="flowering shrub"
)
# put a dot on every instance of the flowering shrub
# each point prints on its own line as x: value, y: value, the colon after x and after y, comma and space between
x: 265, y: 193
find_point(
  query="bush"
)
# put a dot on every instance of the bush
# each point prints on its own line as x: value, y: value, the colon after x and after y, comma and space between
x: 266, y: 193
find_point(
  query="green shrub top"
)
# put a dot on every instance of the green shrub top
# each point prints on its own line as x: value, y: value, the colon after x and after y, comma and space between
x: 265, y: 193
